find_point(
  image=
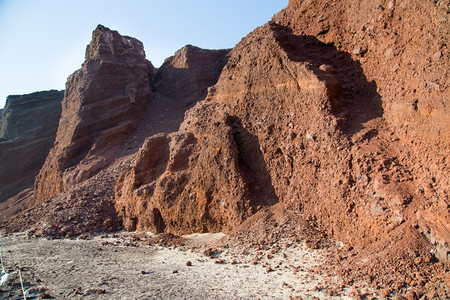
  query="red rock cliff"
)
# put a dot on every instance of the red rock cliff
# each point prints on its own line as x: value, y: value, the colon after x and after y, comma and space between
x: 402, y: 47
x: 101, y: 106
x: 234, y: 148
x: 307, y: 114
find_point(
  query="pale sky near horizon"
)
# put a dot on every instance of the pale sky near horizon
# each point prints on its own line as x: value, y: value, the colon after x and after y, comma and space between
x: 42, y: 42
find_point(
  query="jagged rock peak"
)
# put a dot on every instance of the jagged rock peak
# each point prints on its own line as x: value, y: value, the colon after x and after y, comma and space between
x: 187, y: 55
x: 187, y: 74
x: 102, y: 105
x: 107, y: 43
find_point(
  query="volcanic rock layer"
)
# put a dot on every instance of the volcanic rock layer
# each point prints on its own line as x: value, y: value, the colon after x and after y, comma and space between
x: 102, y: 105
x: 27, y: 132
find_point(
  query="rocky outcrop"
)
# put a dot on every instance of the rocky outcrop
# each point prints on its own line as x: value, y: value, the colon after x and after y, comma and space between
x: 335, y: 110
x: 406, y: 55
x: 27, y: 132
x: 111, y: 105
x: 186, y: 75
x: 102, y: 105
x: 303, y: 121
x: 234, y: 148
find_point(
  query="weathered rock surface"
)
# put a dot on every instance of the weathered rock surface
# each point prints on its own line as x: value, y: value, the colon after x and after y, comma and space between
x: 406, y: 55
x: 328, y: 142
x: 27, y: 132
x: 30, y: 114
x: 186, y: 75
x: 102, y: 105
x: 306, y: 128
x: 336, y: 110
x: 85, y: 204
x: 220, y: 167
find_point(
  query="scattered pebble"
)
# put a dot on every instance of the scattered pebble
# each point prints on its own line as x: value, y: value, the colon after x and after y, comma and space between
x: 269, y: 269
x: 327, y: 69
x: 437, y: 55
x: 100, y: 291
x: 220, y: 261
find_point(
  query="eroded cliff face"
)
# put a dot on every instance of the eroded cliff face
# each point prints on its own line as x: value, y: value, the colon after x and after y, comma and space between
x: 186, y: 75
x: 328, y: 110
x: 234, y: 148
x: 110, y: 107
x: 402, y: 47
x: 102, y: 105
x: 27, y: 132
x: 310, y: 122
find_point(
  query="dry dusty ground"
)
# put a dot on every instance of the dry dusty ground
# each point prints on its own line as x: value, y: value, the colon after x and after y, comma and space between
x: 116, y: 267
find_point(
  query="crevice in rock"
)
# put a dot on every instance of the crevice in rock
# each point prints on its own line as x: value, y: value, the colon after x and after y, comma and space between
x: 252, y: 165
x: 158, y: 221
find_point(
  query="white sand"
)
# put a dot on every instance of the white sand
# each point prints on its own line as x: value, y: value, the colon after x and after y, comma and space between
x: 62, y: 266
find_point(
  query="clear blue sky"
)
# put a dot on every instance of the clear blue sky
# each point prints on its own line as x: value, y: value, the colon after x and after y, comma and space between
x: 43, y: 41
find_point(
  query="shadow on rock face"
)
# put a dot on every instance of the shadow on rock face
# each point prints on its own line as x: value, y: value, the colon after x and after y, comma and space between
x: 355, y: 100
x: 252, y: 164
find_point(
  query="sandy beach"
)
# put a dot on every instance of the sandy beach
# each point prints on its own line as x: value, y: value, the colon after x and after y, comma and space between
x: 118, y: 267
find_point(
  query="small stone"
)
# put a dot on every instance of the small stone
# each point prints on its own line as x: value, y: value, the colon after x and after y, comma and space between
x: 391, y: 5
x: 107, y: 223
x: 310, y: 136
x: 189, y: 263
x: 399, y: 296
x: 437, y: 55
x: 327, y: 69
x: 412, y: 295
x: 355, y: 293
x: 209, y: 252
x: 175, y: 271
x: 100, y: 291
x: 269, y: 269
x: 399, y: 285
x: 395, y: 68
x: 435, y: 86
x: 220, y: 261
x: 384, y: 293
x: 360, y: 50
x: 389, y: 53
x: 64, y: 229
x: 376, y: 209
